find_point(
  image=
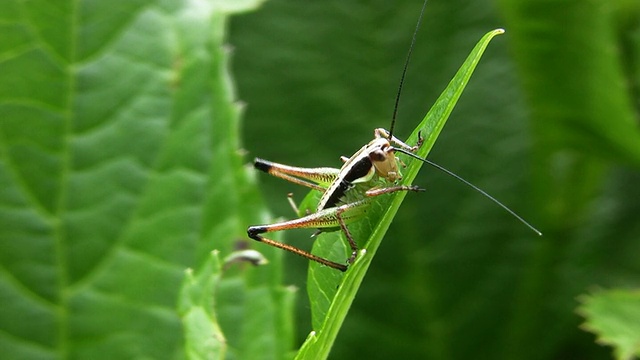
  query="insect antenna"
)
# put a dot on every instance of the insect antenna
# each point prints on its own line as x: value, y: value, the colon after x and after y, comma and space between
x: 451, y: 173
x: 404, y: 71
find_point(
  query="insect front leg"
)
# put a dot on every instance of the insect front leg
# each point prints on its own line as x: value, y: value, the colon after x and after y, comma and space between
x: 327, y: 219
x: 383, y: 133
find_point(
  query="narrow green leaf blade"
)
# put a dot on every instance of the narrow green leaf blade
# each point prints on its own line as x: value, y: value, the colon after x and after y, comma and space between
x: 319, y: 342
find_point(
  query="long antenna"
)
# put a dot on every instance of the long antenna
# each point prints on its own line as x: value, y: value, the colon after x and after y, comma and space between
x: 404, y: 71
x: 448, y: 172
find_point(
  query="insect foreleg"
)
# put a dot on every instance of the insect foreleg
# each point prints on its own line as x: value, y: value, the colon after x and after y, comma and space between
x: 383, y: 133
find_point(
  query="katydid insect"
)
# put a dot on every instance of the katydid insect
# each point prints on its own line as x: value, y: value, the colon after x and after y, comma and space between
x: 347, y: 192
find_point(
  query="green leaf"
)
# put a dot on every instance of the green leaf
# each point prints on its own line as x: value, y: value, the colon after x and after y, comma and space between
x: 600, y: 108
x: 203, y: 337
x: 614, y: 316
x: 120, y: 168
x: 374, y: 227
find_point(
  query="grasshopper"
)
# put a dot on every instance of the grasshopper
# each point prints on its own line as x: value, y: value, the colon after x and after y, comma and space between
x: 347, y: 192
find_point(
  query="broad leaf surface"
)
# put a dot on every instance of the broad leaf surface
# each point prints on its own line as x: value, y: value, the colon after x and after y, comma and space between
x: 120, y: 168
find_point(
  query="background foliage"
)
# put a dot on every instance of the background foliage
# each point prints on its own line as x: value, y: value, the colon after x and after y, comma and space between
x: 548, y: 124
x: 119, y: 169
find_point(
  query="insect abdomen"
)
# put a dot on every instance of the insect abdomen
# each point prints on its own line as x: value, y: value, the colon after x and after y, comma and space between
x: 357, y: 170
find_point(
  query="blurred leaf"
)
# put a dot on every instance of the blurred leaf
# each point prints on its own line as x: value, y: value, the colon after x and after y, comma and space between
x: 614, y: 316
x: 584, y: 122
x: 595, y: 119
x: 599, y: 109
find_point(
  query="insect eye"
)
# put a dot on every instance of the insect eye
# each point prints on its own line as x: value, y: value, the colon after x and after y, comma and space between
x: 377, y: 155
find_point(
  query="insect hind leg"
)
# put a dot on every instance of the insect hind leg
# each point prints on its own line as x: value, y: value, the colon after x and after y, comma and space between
x: 326, y: 219
x: 254, y: 233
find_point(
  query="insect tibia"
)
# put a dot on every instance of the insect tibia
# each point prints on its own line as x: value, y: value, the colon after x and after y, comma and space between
x: 253, y: 232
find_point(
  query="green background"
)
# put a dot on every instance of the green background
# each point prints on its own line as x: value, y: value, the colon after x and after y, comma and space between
x: 548, y: 125
x: 122, y: 164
